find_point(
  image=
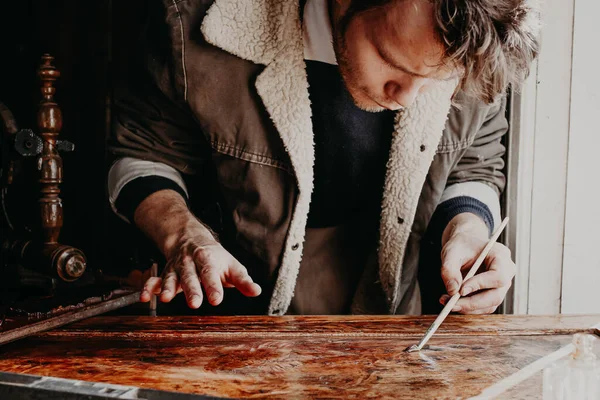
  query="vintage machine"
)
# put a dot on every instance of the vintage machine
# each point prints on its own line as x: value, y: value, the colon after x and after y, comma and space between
x: 44, y: 283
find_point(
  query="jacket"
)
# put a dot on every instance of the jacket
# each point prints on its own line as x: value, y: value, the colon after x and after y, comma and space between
x: 223, y: 98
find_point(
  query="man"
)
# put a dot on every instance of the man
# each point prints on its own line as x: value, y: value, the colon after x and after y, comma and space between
x: 323, y: 145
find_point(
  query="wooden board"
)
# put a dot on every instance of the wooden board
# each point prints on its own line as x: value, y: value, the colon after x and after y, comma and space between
x: 14, y: 328
x: 297, y: 357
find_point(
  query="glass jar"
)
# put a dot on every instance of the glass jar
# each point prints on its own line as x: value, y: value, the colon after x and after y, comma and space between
x: 576, y: 377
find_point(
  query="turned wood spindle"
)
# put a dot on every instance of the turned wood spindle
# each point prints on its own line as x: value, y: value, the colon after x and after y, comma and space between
x: 69, y: 262
x: 49, y: 120
x: 43, y: 252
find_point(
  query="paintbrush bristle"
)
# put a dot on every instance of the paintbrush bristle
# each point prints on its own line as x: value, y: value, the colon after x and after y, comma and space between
x: 412, y: 349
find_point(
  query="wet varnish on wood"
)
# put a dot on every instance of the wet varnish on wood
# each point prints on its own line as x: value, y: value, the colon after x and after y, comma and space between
x: 297, y: 357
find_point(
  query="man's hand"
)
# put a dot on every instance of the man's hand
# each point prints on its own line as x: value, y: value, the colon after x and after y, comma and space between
x: 463, y: 240
x: 194, y: 258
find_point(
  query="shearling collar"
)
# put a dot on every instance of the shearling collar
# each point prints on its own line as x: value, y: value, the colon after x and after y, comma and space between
x: 269, y: 32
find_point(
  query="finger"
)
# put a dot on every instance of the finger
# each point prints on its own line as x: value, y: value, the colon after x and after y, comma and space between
x: 152, y: 286
x: 453, y: 259
x: 238, y: 276
x: 212, y: 284
x: 480, y: 301
x: 444, y: 299
x: 170, y: 286
x: 485, y: 311
x: 486, y: 280
x: 190, y: 283
x: 500, y: 272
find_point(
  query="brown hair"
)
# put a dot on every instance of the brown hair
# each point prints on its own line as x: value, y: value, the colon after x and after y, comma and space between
x: 492, y: 41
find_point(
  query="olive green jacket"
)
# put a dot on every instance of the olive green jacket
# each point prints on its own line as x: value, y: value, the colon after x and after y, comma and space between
x: 223, y: 98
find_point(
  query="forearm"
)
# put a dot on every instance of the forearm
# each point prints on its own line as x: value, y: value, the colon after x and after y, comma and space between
x: 164, y: 217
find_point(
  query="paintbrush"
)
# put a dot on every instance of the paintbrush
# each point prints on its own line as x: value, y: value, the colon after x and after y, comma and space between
x: 454, y: 299
x: 153, y: 273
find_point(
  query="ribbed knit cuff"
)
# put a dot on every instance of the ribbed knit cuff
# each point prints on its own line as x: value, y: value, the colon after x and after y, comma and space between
x: 458, y: 205
x: 136, y: 191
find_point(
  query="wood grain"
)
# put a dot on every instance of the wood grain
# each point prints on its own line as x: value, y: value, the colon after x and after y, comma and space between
x: 294, y: 357
x: 336, y: 325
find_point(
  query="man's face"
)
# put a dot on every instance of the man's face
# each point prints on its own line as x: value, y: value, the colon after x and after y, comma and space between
x: 388, y: 55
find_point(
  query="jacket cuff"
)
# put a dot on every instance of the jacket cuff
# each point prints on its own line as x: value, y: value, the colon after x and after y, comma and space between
x: 480, y: 191
x: 458, y: 205
x: 137, y: 190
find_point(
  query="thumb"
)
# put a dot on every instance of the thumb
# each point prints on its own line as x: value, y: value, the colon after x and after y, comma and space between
x: 452, y: 261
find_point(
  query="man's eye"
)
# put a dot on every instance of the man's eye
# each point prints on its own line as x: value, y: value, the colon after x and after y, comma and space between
x: 388, y: 64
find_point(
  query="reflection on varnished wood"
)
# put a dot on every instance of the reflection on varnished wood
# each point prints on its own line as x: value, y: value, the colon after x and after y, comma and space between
x: 339, y: 325
x: 296, y: 357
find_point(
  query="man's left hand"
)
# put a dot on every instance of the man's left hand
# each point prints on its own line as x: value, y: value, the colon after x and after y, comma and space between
x: 463, y: 240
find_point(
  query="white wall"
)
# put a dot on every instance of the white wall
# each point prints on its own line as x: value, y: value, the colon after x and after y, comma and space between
x: 581, y: 260
x: 554, y: 167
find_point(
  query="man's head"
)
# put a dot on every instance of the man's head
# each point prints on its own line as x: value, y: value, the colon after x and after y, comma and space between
x: 389, y: 51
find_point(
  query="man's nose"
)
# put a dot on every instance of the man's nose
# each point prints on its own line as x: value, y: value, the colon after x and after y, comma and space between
x: 404, y: 93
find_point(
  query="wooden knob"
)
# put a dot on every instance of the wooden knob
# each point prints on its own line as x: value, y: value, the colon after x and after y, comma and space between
x: 49, y: 115
x: 48, y: 74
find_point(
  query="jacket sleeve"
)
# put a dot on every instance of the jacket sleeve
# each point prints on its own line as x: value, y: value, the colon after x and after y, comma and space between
x: 483, y: 160
x: 151, y: 118
x: 477, y: 179
x: 155, y: 139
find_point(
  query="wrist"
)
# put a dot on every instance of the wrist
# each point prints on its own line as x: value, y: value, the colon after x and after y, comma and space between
x: 182, y: 229
x: 466, y: 223
x: 165, y: 218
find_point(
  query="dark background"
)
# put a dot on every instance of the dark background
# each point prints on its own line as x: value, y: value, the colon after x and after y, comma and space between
x: 92, y: 43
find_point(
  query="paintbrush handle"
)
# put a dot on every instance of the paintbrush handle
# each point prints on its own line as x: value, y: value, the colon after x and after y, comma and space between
x: 486, y: 250
x: 454, y: 299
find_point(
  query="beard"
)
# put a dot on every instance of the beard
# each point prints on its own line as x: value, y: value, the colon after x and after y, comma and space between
x: 360, y: 94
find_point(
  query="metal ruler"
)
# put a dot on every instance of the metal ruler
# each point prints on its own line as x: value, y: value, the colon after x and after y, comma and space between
x: 33, y: 387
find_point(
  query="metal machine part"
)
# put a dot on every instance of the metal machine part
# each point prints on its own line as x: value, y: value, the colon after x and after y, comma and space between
x: 32, y: 387
x: 64, y: 262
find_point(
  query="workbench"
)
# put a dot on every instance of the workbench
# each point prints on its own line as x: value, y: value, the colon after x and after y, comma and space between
x: 303, y: 357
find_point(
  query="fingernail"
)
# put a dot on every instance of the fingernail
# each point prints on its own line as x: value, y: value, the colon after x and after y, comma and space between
x: 215, y: 297
x: 444, y: 299
x: 466, y: 290
x: 456, y: 309
x: 452, y: 287
x: 195, y: 299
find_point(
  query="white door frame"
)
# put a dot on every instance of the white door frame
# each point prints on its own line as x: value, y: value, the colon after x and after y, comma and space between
x: 538, y: 163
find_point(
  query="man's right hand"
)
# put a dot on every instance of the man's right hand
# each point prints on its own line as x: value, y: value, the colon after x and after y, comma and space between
x: 194, y: 258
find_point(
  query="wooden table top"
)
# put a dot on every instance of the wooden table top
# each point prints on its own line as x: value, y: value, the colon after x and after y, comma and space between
x: 299, y: 357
